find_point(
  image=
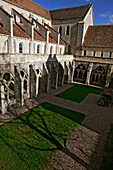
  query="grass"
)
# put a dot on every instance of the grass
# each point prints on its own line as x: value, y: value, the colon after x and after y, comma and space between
x: 78, y: 92
x: 108, y: 156
x: 31, y: 140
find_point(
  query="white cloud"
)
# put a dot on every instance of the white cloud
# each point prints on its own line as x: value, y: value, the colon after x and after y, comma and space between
x: 87, y: 0
x: 108, y: 16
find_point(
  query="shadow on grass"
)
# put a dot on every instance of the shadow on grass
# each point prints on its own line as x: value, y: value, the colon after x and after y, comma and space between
x: 44, y: 131
x: 74, y: 116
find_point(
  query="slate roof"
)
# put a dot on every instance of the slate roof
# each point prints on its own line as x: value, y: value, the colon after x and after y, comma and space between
x: 37, y: 35
x: 19, y: 32
x: 99, y: 36
x: 32, y: 6
x: 70, y: 13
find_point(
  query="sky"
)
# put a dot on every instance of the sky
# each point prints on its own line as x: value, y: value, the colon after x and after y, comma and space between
x: 103, y: 9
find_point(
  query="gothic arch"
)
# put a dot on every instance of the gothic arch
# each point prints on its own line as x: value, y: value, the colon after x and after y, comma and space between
x: 98, y: 76
x: 80, y: 73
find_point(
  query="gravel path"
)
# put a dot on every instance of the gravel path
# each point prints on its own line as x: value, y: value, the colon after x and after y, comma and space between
x: 86, y: 151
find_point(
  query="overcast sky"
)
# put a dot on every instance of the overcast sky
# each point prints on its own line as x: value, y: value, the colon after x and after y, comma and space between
x: 103, y: 9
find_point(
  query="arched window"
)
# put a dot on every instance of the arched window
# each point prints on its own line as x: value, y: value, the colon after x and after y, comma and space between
x: 60, y: 30
x: 38, y: 49
x: 51, y: 50
x: 20, y: 48
x: 67, y: 31
x: 60, y: 50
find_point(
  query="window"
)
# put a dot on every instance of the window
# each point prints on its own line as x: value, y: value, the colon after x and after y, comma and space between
x: 94, y: 54
x: 60, y: 30
x: 67, y: 30
x: 20, y: 48
x: 51, y: 50
x: 84, y: 52
x: 110, y: 54
x: 60, y: 50
x: 101, y: 54
x: 38, y: 49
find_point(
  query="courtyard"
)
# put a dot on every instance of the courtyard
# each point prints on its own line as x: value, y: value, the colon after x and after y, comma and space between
x: 77, y: 132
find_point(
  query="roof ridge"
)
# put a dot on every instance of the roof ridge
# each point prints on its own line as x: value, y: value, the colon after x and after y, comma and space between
x: 70, y: 7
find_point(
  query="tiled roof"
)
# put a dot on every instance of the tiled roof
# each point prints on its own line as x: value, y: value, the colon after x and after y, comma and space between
x: 17, y: 31
x: 99, y: 36
x: 51, y: 40
x: 70, y: 13
x: 1, y: 22
x: 3, y: 31
x: 61, y: 42
x: 37, y: 35
x: 32, y: 6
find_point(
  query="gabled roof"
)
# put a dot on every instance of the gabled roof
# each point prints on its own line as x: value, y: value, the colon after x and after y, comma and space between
x: 70, y: 13
x: 19, y: 32
x: 37, y: 35
x: 99, y: 36
x: 3, y: 31
x: 31, y: 6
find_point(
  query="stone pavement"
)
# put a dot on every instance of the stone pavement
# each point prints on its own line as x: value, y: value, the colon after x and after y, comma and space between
x: 85, y: 151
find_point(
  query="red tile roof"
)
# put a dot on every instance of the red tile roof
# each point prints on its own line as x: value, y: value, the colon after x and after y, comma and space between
x: 61, y: 42
x: 51, y: 40
x: 1, y: 22
x: 99, y: 36
x: 17, y: 31
x: 3, y: 31
x: 32, y: 6
x: 37, y: 35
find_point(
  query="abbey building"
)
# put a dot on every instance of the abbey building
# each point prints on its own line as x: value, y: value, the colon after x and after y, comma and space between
x: 41, y: 49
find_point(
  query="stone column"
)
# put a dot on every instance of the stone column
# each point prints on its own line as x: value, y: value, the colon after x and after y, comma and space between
x: 47, y: 43
x: 3, y: 100
x: 89, y: 71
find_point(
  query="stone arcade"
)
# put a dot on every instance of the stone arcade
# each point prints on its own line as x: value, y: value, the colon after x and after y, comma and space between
x: 41, y: 49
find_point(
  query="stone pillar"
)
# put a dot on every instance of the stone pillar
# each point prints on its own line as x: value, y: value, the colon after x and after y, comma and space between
x: 89, y: 71
x: 3, y: 100
x: 19, y: 86
x: 11, y: 40
x: 47, y: 42
x: 34, y: 82
x: 60, y: 75
x: 58, y: 48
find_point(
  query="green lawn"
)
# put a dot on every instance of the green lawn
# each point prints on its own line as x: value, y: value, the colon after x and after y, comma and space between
x: 108, y: 156
x: 78, y: 92
x: 31, y: 140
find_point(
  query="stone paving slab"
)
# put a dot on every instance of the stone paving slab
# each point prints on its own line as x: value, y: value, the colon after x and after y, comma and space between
x: 77, y: 151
